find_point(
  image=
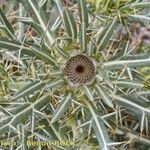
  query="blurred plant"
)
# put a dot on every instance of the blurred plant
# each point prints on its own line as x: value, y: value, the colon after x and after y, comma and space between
x: 45, y: 45
x: 2, y: 2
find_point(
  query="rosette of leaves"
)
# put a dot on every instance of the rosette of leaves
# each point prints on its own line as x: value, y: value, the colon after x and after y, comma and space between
x: 38, y: 100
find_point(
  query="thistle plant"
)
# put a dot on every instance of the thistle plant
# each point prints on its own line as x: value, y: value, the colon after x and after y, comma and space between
x: 71, y: 77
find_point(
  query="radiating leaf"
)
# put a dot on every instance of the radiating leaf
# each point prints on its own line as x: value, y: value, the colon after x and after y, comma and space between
x: 32, y: 6
x: 30, y: 21
x: 83, y: 12
x: 28, y: 50
x: 62, y: 52
x: 99, y: 128
x: 136, y: 5
x: 24, y: 114
x: 70, y: 24
x: 139, y: 18
x: 132, y: 105
x: 60, y: 7
x: 88, y: 93
x: 83, y: 37
x: 126, y: 63
x: 7, y: 24
x: 104, y: 96
x: 106, y: 35
x: 61, y: 109
x: 104, y: 75
x: 128, y: 84
x: 30, y: 88
x: 55, y: 83
x: 44, y: 56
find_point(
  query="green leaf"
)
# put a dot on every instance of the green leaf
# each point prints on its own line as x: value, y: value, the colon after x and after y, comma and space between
x: 106, y: 35
x: 61, y: 109
x: 83, y: 37
x: 70, y: 23
x: 23, y: 115
x: 12, y: 45
x: 62, y: 52
x: 104, y: 96
x: 44, y: 56
x: 136, y: 5
x: 91, y: 48
x: 33, y: 51
x: 103, y: 73
x: 126, y: 63
x: 32, y: 6
x: 60, y: 7
x: 83, y: 12
x: 139, y: 18
x: 55, y: 83
x: 101, y: 133
x: 132, y: 105
x: 136, y: 56
x: 42, y: 3
x: 128, y: 84
x: 8, y: 26
x: 3, y: 110
x: 30, y: 88
x: 30, y: 21
x: 99, y: 128
x: 88, y: 93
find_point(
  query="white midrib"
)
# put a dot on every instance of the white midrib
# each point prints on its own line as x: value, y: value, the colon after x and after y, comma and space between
x: 49, y: 36
x: 130, y: 103
x: 124, y: 62
x: 62, y: 106
x: 99, y: 128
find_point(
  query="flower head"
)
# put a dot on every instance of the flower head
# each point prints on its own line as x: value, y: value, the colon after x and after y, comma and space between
x: 79, y: 69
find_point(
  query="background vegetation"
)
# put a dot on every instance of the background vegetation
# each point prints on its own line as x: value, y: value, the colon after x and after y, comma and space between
x: 38, y: 103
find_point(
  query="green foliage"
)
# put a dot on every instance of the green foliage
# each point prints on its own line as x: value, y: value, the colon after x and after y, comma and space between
x: 38, y: 102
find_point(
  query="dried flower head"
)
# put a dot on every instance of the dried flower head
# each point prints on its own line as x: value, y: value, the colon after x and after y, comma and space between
x: 79, y: 69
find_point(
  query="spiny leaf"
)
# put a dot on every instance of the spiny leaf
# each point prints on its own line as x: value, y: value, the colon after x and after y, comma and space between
x: 30, y: 21
x: 55, y: 83
x: 23, y: 114
x: 61, y: 109
x: 32, y: 6
x: 88, y: 93
x: 70, y: 24
x: 83, y: 37
x: 131, y: 105
x: 101, y: 133
x: 100, y: 130
x: 43, y: 55
x: 8, y: 26
x: 139, y: 18
x: 104, y: 96
x: 33, y: 51
x: 60, y: 7
x: 128, y: 84
x: 28, y: 89
x: 106, y: 35
x: 83, y: 12
x: 126, y: 63
x: 136, y: 5
x: 105, y: 76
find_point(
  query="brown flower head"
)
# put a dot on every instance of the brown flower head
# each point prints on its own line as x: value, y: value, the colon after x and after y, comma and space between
x: 79, y: 69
